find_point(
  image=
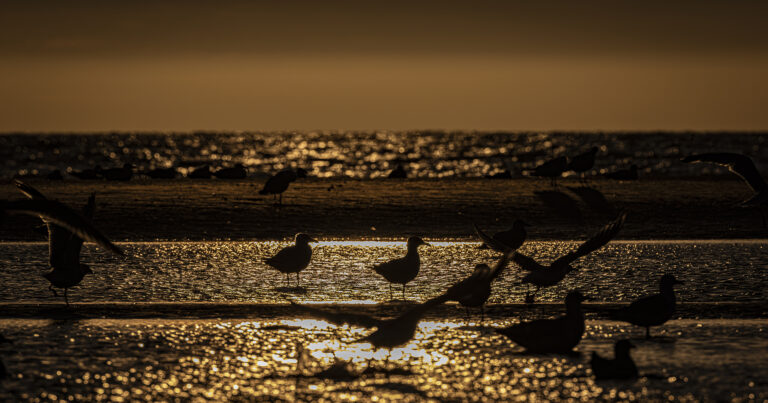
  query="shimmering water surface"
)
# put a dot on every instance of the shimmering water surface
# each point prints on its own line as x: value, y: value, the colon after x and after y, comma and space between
x: 368, y: 155
x: 341, y: 271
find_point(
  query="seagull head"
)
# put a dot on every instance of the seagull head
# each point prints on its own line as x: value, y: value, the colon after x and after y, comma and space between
x: 301, y: 173
x: 669, y: 280
x: 415, y: 242
x: 574, y: 297
x: 303, y: 239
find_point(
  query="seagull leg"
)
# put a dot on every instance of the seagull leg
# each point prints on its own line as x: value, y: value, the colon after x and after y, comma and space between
x: 482, y: 313
x: 66, y: 300
x: 647, y: 332
x: 403, y: 292
x: 287, y: 280
x: 50, y: 287
x: 391, y: 294
x: 469, y: 315
x: 298, y: 280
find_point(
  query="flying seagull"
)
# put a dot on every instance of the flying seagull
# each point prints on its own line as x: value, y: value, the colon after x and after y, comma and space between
x: 505, y: 241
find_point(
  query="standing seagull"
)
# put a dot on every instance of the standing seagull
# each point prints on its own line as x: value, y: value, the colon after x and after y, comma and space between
x: 583, y: 162
x: 278, y: 183
x: 293, y: 259
x: 653, y: 310
x: 405, y: 269
x: 546, y: 276
x: 504, y: 241
x: 551, y: 169
x: 620, y: 367
x: 475, y: 290
x: 559, y: 335
x: 66, y: 232
x: 744, y: 167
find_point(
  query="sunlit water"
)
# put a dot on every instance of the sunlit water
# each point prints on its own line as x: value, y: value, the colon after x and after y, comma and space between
x: 368, y: 154
x: 342, y: 272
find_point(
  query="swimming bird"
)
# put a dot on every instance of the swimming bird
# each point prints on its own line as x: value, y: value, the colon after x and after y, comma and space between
x: 744, y: 167
x: 546, y: 276
x: 125, y: 173
x: 620, y: 367
x: 559, y: 335
x: 475, y: 290
x: 404, y: 269
x: 623, y: 174
x: 66, y: 232
x: 398, y: 173
x: 201, y: 172
x: 236, y: 172
x: 583, y: 162
x: 551, y: 169
x: 504, y: 241
x: 162, y: 173
x: 293, y: 259
x: 652, y: 310
x: 278, y: 183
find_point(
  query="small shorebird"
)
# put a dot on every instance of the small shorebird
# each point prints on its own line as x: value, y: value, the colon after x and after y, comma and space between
x: 559, y: 335
x: 546, y: 276
x: 404, y: 269
x: 66, y: 231
x: 744, y: 167
x: 652, y: 310
x: 236, y: 172
x: 294, y: 258
x: 583, y: 162
x: 504, y: 241
x: 117, y: 174
x: 620, y: 367
x: 623, y: 174
x: 278, y: 183
x: 201, y: 172
x: 475, y: 290
x: 551, y: 169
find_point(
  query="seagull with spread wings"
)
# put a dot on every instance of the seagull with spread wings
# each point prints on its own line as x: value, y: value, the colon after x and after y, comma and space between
x: 744, y: 167
x: 475, y: 290
x: 546, y: 276
x: 504, y: 241
x: 67, y: 231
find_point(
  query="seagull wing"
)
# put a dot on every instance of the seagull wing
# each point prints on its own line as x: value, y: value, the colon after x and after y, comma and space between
x: 491, y: 242
x: 75, y: 243
x: 58, y: 237
x: 61, y: 215
x: 596, y: 242
x: 28, y: 190
x: 526, y: 263
x: 340, y: 318
x: 738, y: 163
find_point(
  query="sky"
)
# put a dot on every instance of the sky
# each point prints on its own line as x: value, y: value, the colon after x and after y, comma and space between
x: 396, y: 65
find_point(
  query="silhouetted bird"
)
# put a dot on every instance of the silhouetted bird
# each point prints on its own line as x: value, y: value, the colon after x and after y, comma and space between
x: 390, y: 333
x: 559, y: 335
x: 474, y: 291
x: 398, y: 173
x: 55, y: 175
x: 66, y: 230
x: 744, y: 167
x: 551, y: 169
x: 504, y: 241
x: 125, y: 173
x: 202, y: 172
x: 620, y: 367
x: 583, y: 162
x: 653, y: 310
x: 339, y: 371
x: 87, y: 174
x: 278, y: 183
x: 236, y: 172
x: 623, y: 174
x: 162, y: 173
x: 405, y: 269
x: 293, y: 259
x: 546, y: 276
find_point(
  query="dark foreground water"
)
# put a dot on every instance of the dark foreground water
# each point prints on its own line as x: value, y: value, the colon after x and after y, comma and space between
x: 368, y: 155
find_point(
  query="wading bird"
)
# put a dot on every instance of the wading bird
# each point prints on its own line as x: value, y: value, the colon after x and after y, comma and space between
x: 652, y: 310
x: 278, y: 183
x: 504, y: 241
x: 546, y: 276
x: 405, y: 269
x: 620, y: 367
x: 294, y: 258
x: 559, y: 335
x: 551, y: 169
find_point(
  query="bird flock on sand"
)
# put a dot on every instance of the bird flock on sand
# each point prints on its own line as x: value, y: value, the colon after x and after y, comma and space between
x: 68, y: 229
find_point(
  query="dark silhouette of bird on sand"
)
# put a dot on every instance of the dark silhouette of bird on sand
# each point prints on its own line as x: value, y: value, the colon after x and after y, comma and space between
x: 162, y: 173
x: 87, y: 174
x: 201, y: 172
x: 583, y: 162
x: 622, y: 366
x: 559, y: 335
x: 652, y: 310
x: 475, y: 290
x: 546, y: 276
x: 630, y: 174
x: 405, y: 269
x: 236, y: 172
x: 398, y: 173
x: 744, y: 167
x: 124, y: 173
x: 551, y: 169
x: 504, y: 241
x: 66, y: 231
x: 294, y: 258
x: 278, y: 183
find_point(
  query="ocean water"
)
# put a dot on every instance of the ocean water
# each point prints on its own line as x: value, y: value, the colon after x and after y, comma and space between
x: 368, y: 154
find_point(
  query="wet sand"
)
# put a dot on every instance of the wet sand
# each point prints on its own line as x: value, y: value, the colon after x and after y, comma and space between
x: 141, y: 210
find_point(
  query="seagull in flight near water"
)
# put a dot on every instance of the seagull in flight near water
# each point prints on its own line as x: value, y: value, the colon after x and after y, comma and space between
x: 504, y: 241
x: 744, y: 167
x: 546, y: 276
